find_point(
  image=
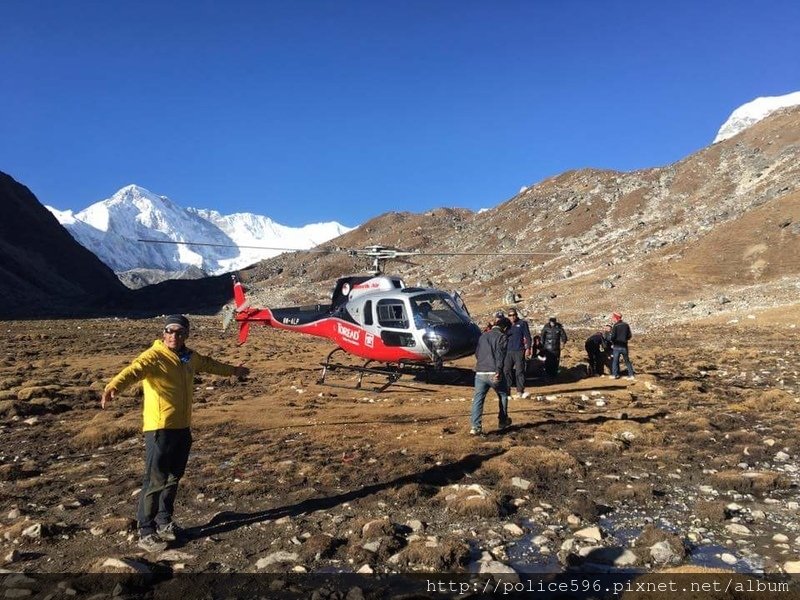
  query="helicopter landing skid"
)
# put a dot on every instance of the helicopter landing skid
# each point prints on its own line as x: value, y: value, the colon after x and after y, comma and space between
x: 392, y: 374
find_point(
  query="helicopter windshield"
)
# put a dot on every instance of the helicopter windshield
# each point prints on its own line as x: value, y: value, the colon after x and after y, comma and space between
x: 435, y: 309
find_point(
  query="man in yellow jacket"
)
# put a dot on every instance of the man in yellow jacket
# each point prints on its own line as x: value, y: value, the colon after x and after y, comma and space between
x: 167, y: 370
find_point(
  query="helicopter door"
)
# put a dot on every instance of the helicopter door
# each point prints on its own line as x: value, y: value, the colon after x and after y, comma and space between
x: 460, y: 303
x: 393, y: 316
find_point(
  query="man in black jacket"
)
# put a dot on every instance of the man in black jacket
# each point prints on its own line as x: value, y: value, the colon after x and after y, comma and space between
x: 597, y: 346
x: 490, y: 355
x: 553, y: 339
x: 620, y: 334
x: 519, y: 350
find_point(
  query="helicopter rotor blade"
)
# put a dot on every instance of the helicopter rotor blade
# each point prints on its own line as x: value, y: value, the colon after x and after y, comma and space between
x: 213, y: 245
x: 489, y: 253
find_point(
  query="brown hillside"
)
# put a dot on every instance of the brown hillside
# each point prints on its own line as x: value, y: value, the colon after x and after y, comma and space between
x: 717, y: 231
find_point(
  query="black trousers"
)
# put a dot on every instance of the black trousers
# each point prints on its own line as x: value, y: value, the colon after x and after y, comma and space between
x: 166, y: 454
x: 551, y: 360
x: 514, y: 370
x: 597, y: 360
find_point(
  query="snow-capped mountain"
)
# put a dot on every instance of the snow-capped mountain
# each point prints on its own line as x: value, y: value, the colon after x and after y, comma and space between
x: 752, y: 112
x: 110, y: 229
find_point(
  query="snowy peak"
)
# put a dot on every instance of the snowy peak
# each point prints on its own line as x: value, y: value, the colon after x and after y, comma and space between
x: 752, y: 112
x: 111, y: 229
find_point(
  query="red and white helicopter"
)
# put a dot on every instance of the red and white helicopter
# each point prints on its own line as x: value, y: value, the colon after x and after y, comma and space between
x: 375, y: 317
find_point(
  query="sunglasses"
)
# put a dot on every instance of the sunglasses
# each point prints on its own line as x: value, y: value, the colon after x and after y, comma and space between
x: 179, y: 332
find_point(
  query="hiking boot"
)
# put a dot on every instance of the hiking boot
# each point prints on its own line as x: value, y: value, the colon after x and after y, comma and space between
x: 169, y: 532
x: 631, y: 377
x: 524, y: 395
x: 152, y: 543
x: 504, y: 424
x: 476, y: 431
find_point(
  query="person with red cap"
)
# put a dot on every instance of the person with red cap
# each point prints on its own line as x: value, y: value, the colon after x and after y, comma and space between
x: 619, y: 337
x: 167, y: 371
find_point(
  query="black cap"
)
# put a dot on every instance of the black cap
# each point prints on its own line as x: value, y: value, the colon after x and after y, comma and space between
x: 177, y: 320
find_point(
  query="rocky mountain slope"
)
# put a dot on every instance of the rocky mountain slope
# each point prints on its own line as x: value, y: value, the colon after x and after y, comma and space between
x: 44, y: 272
x: 41, y: 266
x: 718, y: 230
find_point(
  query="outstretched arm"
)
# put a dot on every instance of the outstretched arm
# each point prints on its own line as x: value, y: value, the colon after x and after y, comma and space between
x: 134, y: 372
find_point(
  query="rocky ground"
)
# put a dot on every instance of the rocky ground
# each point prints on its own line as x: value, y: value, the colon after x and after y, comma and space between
x: 695, y: 462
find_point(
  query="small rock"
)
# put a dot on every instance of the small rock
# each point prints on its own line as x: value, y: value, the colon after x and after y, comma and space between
x: 540, y: 540
x: 365, y: 569
x: 373, y: 546
x: 626, y: 559
x: 34, y: 531
x: 416, y: 525
x: 792, y: 566
x: 728, y: 559
x: 663, y: 554
x: 780, y: 538
x: 125, y: 564
x: 574, y: 520
x: 356, y: 593
x: 175, y: 556
x: 520, y: 483
x: 494, y: 566
x: 276, y: 557
x: 590, y: 533
x: 513, y: 529
x: 17, y: 579
x: 737, y: 529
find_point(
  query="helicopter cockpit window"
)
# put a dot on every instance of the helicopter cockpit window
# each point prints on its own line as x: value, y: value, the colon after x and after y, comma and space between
x: 392, y: 313
x: 435, y: 309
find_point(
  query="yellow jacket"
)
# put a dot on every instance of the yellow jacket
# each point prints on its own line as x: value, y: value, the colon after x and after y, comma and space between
x: 168, y: 384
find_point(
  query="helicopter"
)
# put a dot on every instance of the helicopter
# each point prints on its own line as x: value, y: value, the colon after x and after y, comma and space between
x: 375, y: 317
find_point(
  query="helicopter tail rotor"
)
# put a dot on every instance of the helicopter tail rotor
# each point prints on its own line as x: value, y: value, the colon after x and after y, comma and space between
x: 238, y: 294
x: 244, y: 330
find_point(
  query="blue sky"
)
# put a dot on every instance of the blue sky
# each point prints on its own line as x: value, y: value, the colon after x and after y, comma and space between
x: 310, y: 111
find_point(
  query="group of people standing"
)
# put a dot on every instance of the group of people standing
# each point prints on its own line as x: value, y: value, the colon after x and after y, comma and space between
x: 168, y: 367
x: 611, y: 342
x: 507, y: 344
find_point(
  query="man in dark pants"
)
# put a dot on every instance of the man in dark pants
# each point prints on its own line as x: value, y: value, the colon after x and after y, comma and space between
x: 554, y: 338
x: 167, y: 371
x: 620, y: 335
x: 597, y: 346
x: 519, y: 350
x: 490, y: 356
